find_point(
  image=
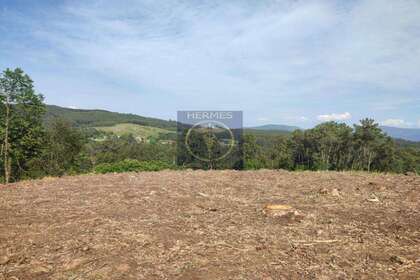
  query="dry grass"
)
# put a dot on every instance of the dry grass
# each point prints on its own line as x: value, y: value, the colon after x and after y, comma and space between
x: 212, y: 225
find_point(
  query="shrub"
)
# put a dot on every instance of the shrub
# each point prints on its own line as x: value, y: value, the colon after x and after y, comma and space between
x: 253, y: 164
x: 132, y: 165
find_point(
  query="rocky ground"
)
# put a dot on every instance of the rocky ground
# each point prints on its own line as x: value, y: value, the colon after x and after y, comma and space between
x: 212, y: 225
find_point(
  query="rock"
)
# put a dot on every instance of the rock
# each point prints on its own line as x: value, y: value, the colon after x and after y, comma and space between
x: 282, y: 211
x: 123, y: 267
x: 74, y: 264
x: 203, y: 194
x: 4, y: 260
x: 40, y: 269
x: 57, y: 248
x: 398, y: 259
x: 373, y: 198
x: 277, y: 207
x: 335, y: 193
x: 85, y: 249
x: 323, y: 191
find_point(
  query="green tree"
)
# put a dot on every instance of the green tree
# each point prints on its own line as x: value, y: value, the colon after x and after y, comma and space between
x: 21, y: 130
x: 370, y: 144
x: 252, y: 152
x: 282, y: 153
x: 63, y: 149
x: 331, y: 142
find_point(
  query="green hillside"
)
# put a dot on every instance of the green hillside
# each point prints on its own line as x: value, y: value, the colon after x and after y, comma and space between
x: 139, y: 126
x: 261, y: 132
x: 101, y: 118
x: 275, y: 127
x: 138, y: 131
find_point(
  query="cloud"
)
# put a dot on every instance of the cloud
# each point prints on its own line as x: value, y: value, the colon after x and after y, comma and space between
x: 334, y: 117
x: 263, y: 119
x: 397, y: 123
x: 256, y: 56
x: 418, y: 123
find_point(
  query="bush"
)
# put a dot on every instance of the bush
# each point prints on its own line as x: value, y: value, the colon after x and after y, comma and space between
x: 132, y: 165
x: 254, y: 164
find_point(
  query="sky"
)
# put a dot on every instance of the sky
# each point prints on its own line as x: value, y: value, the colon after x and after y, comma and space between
x: 280, y: 62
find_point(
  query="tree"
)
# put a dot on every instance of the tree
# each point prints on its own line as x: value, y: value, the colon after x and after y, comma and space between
x: 21, y: 130
x: 252, y: 152
x: 331, y: 143
x: 62, y: 152
x: 281, y: 154
x: 370, y: 146
x: 301, y: 150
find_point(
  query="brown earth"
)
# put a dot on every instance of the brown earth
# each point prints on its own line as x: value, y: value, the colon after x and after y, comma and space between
x: 212, y: 225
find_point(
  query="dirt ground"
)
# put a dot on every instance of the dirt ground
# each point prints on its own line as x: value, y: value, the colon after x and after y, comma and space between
x: 212, y: 225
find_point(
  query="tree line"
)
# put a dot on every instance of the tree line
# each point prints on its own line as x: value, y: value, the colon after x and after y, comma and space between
x: 333, y: 146
x: 31, y: 148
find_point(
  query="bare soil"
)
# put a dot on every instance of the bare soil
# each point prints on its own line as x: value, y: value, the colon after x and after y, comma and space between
x: 212, y: 225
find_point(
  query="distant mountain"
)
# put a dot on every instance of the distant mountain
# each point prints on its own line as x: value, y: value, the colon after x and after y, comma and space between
x: 96, y: 118
x: 275, y: 127
x: 411, y: 134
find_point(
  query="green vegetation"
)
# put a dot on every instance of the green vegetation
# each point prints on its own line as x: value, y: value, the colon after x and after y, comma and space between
x: 275, y: 127
x: 262, y: 132
x: 63, y: 152
x: 333, y: 146
x: 132, y: 165
x: 21, y: 130
x: 140, y: 132
x: 67, y: 141
x: 95, y: 118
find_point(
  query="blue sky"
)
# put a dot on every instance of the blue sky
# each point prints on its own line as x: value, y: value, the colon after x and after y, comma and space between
x: 289, y: 62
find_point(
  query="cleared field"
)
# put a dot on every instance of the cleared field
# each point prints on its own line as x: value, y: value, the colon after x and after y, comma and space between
x: 212, y: 225
x: 135, y: 129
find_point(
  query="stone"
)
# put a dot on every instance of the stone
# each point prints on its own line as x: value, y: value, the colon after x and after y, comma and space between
x: 323, y: 191
x: 123, y: 267
x: 40, y: 269
x: 335, y: 193
x: 4, y: 260
x: 282, y: 211
x: 373, y: 198
x: 75, y: 264
x: 398, y: 259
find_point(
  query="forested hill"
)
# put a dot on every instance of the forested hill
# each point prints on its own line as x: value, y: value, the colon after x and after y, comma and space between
x: 96, y: 118
x: 103, y: 118
x: 275, y: 127
x: 410, y: 134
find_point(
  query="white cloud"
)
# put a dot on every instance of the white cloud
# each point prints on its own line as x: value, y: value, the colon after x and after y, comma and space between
x: 259, y: 56
x: 263, y: 119
x: 397, y: 123
x: 418, y: 123
x: 334, y: 117
x: 394, y: 122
